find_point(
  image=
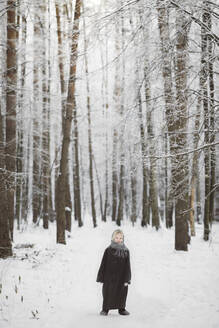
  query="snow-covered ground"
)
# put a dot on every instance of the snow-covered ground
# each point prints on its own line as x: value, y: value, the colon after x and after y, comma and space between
x: 54, y: 286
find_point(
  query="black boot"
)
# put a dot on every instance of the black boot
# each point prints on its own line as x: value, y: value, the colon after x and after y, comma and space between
x: 104, y: 312
x: 123, y: 312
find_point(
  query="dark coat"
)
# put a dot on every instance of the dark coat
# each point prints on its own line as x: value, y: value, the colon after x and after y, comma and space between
x: 114, y: 271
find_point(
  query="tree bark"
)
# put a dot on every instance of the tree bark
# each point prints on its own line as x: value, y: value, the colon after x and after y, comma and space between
x: 204, y: 87
x: 180, y: 171
x: 212, y: 118
x: 163, y: 24
x: 194, y: 169
x: 5, y: 240
x: 152, y: 182
x: 133, y: 189
x: 90, y: 148
x: 68, y: 204
x: 70, y: 108
x: 37, y: 164
x: 121, y: 190
x: 10, y: 147
x: 76, y: 170
x: 145, y: 220
x: 114, y: 176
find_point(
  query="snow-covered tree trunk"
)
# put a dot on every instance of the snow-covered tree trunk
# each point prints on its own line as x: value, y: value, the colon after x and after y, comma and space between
x: 194, y: 173
x: 145, y: 199
x: 150, y: 137
x: 117, y: 98
x: 121, y: 193
x: 163, y: 24
x: 211, y: 117
x: 180, y: 171
x: 70, y: 108
x: 204, y: 89
x: 45, y: 115
x: 68, y: 204
x: 105, y: 88
x: 5, y: 240
x: 90, y: 147
x: 10, y: 146
x: 37, y: 163
x: 133, y: 178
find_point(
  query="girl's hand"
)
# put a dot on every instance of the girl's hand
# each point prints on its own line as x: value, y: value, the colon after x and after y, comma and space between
x: 125, y: 284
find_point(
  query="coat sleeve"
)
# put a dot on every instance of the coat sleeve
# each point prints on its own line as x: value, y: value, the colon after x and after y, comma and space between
x: 100, y: 275
x: 128, y: 270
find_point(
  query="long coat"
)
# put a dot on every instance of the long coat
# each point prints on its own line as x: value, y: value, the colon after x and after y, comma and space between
x: 114, y: 271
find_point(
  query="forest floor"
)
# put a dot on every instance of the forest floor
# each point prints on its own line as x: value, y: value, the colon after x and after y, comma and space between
x: 54, y: 286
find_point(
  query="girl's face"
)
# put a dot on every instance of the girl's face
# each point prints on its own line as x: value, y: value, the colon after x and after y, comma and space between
x: 118, y: 238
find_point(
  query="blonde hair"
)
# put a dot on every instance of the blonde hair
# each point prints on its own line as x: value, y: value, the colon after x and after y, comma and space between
x: 116, y: 232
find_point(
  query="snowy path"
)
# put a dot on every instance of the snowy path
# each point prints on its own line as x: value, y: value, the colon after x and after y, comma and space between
x: 169, y: 289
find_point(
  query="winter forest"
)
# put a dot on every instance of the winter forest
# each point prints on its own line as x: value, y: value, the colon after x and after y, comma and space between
x: 109, y: 119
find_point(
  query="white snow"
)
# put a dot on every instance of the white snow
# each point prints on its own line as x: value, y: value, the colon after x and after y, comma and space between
x: 169, y: 289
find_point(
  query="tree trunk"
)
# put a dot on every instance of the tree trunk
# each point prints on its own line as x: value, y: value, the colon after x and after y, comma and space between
x: 163, y: 24
x: 10, y: 147
x: 24, y: 142
x: 133, y: 190
x: 212, y: 118
x: 120, y: 109
x: 168, y: 202
x: 37, y: 174
x: 180, y: 171
x: 45, y: 134
x: 204, y: 87
x: 194, y: 169
x: 105, y: 97
x: 114, y: 176
x: 90, y: 148
x: 121, y: 188
x: 68, y: 204
x: 19, y: 137
x: 76, y: 169
x: 99, y: 187
x: 5, y: 240
x: 117, y: 94
x: 152, y: 181
x: 70, y: 108
x: 19, y: 178
x: 145, y: 201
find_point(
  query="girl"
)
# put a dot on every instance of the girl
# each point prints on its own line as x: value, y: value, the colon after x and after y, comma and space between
x: 115, y: 274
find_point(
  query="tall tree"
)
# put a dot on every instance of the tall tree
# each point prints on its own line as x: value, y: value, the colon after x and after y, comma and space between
x: 121, y: 134
x: 5, y: 239
x: 163, y: 25
x: 116, y: 96
x: 211, y: 115
x: 194, y: 171
x: 145, y: 199
x: 10, y: 147
x: 180, y: 170
x: 45, y: 136
x: 133, y: 177
x: 150, y: 135
x: 8, y: 139
x: 90, y: 147
x: 68, y: 204
x: 70, y: 108
x: 204, y: 90
x: 37, y: 160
